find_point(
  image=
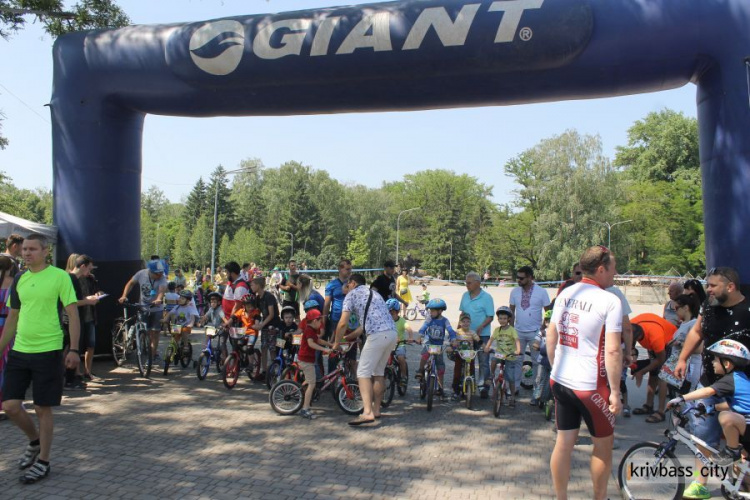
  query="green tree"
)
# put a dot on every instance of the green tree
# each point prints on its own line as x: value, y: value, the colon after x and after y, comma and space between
x: 245, y: 246
x: 85, y: 15
x: 196, y: 204
x: 153, y: 201
x: 181, y: 255
x: 218, y: 192
x: 3, y: 141
x: 200, y: 241
x: 34, y: 205
x: 358, y: 249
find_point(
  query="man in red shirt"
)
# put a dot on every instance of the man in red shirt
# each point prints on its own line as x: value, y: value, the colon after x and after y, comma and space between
x: 654, y: 333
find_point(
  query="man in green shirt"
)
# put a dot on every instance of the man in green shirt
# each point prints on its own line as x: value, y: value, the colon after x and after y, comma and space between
x: 36, y: 359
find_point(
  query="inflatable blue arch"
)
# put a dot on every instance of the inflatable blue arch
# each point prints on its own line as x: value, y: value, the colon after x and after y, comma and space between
x: 409, y: 55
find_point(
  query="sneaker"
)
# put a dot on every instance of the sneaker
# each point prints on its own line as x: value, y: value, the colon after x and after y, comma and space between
x: 485, y: 392
x: 308, y: 414
x: 696, y: 490
x: 76, y: 385
x: 727, y: 456
x: 512, y: 403
x: 29, y: 456
x: 88, y: 376
x: 534, y: 402
x: 626, y: 411
x: 157, y: 358
x: 35, y: 473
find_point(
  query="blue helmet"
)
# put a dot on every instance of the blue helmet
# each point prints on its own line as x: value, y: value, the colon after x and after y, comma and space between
x: 437, y: 304
x: 393, y: 305
x: 310, y: 304
x: 155, y: 266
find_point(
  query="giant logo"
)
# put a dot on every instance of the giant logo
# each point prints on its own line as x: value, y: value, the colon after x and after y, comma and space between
x: 217, y: 47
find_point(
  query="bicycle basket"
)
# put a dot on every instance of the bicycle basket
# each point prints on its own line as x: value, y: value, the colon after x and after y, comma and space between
x: 280, y: 343
x: 467, y: 354
x: 434, y: 349
x: 297, y: 339
x: 175, y: 329
x: 237, y: 332
x: 210, y: 331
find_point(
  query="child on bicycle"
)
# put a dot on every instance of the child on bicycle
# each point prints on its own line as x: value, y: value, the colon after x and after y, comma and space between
x: 306, y: 357
x: 171, y: 297
x: 215, y: 317
x: 504, y: 340
x: 433, y: 333
x: 288, y: 326
x: 464, y: 334
x: 425, y: 297
x: 184, y: 315
x: 541, y: 385
x: 394, y: 306
x: 731, y: 360
x: 248, y: 315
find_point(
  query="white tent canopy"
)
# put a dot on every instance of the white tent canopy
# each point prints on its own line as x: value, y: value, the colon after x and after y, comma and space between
x: 10, y: 224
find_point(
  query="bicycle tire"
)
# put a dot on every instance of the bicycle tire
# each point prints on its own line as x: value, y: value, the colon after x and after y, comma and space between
x: 273, y: 374
x: 119, y: 341
x: 410, y: 314
x: 204, y: 364
x: 635, y: 486
x: 549, y: 407
x: 221, y: 357
x: 168, y: 355
x: 390, y: 386
x: 469, y: 391
x: 231, y: 371
x: 498, y: 395
x: 353, y: 405
x: 423, y: 386
x: 286, y: 397
x: 403, y: 381
x: 317, y: 284
x: 431, y: 383
x: 186, y: 354
x: 144, y: 355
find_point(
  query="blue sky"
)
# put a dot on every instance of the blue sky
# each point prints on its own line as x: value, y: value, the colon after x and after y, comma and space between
x: 364, y: 148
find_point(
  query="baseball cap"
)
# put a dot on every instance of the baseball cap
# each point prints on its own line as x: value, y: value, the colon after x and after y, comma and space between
x: 313, y: 314
x: 155, y: 266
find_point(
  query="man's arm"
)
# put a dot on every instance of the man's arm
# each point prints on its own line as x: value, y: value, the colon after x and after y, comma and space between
x: 327, y: 306
x: 692, y: 341
x: 552, y: 343
x: 659, y: 359
x: 74, y: 329
x: 512, y: 320
x: 613, y: 364
x: 9, y: 331
x: 128, y: 286
x: 484, y: 324
x: 341, y: 328
x: 627, y: 338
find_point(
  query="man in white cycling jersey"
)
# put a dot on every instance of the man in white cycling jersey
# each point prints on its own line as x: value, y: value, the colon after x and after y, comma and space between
x: 583, y: 345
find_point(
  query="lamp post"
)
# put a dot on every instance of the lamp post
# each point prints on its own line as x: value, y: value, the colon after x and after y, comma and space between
x: 609, y: 229
x: 450, y: 264
x: 216, y: 216
x: 291, y: 252
x: 398, y: 227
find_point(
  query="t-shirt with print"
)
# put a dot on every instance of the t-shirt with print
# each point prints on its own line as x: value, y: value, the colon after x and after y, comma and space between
x: 434, y: 329
x: 149, y: 288
x: 183, y: 315
x: 400, y: 330
x: 716, y: 323
x: 335, y: 290
x: 378, y: 317
x: 385, y: 286
x: 233, y: 293
x: 307, y: 353
x: 529, y: 307
x: 215, y: 317
x: 38, y: 297
x: 291, y: 294
x: 582, y: 314
x: 479, y: 308
x: 467, y: 336
x: 504, y: 340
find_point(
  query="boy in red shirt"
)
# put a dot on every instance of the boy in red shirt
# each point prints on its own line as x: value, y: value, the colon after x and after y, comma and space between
x: 306, y: 357
x: 247, y: 315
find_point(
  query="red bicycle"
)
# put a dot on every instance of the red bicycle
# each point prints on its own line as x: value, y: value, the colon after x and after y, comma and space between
x: 244, y: 355
x: 500, y: 385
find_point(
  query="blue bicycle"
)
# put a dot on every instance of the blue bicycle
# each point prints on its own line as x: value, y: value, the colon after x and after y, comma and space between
x: 284, y: 358
x: 211, y: 354
x: 429, y: 384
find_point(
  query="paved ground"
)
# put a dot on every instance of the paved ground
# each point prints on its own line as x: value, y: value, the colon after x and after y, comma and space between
x: 129, y: 437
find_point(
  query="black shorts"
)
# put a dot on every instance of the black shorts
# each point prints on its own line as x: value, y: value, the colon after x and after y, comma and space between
x: 42, y: 371
x: 643, y: 363
x: 592, y: 406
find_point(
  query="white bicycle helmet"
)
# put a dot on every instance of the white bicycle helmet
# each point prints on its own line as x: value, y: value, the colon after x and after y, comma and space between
x: 733, y: 347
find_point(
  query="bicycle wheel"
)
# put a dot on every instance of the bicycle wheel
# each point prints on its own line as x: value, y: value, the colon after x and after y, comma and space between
x: 286, y: 397
x: 411, y: 313
x: 498, y: 395
x: 469, y: 391
x: 168, y: 355
x: 221, y: 358
x: 423, y: 387
x: 350, y: 401
x: 204, y: 364
x: 549, y: 408
x: 186, y: 354
x: 636, y: 482
x: 144, y: 356
x: 431, y: 383
x: 119, y: 341
x: 231, y: 371
x: 390, y: 386
x: 273, y: 374
x: 403, y: 381
x: 317, y: 284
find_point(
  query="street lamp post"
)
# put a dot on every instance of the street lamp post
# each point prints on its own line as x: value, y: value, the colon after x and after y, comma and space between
x: 398, y: 227
x: 450, y: 264
x: 291, y: 252
x: 216, y: 216
x: 609, y: 229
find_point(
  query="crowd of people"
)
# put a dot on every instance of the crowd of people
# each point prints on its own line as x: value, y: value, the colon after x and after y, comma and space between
x: 581, y: 345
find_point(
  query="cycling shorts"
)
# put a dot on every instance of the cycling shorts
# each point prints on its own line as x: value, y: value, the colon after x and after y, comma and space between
x: 592, y: 406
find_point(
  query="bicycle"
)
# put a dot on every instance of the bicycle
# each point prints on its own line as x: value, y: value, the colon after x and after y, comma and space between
x: 130, y: 335
x: 469, y: 385
x: 633, y: 475
x: 287, y: 395
x: 500, y: 386
x: 182, y: 353
x: 210, y: 355
x: 244, y: 355
x: 283, y: 359
x: 419, y: 308
x: 429, y: 382
x: 399, y: 381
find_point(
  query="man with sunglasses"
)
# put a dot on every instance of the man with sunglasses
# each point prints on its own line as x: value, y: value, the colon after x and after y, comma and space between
x: 725, y: 311
x: 528, y: 302
x: 333, y: 305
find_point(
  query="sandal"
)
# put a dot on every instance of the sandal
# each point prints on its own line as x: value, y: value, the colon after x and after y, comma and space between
x: 644, y: 410
x: 655, y: 418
